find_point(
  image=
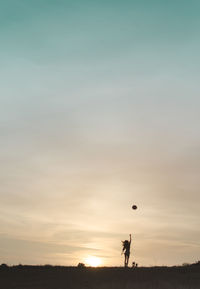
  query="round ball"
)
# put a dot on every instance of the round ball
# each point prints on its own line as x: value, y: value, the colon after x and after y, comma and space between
x: 134, y: 207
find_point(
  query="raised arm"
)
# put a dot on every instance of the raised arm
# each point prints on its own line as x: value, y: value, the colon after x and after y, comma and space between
x: 130, y: 238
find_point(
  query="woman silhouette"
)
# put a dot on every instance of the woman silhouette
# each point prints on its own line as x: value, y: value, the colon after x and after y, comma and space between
x: 126, y: 250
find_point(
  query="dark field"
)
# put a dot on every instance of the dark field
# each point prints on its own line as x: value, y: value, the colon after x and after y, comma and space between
x: 49, y: 277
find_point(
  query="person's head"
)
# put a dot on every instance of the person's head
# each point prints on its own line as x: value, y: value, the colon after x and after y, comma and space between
x: 125, y: 243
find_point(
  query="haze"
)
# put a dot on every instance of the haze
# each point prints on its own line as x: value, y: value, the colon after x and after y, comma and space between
x: 99, y: 111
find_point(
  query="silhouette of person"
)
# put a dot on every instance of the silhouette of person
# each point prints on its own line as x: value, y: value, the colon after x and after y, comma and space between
x: 126, y: 250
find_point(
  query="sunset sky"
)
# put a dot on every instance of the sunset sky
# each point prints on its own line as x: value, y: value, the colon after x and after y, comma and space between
x: 99, y: 110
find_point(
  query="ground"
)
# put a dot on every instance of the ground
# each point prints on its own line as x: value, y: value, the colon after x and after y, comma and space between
x: 51, y: 277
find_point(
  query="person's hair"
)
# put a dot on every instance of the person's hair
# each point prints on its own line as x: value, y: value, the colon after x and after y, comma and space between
x: 125, y: 244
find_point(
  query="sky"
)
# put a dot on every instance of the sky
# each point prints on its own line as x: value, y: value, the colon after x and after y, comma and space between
x: 99, y: 110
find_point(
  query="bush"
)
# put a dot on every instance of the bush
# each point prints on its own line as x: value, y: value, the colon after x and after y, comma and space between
x: 81, y: 265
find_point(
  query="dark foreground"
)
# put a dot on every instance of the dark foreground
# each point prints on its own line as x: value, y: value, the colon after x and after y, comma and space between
x: 49, y: 277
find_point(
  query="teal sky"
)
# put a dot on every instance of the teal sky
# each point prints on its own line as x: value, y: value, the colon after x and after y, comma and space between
x: 99, y: 109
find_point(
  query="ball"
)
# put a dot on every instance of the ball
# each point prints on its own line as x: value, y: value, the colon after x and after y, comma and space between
x: 134, y: 207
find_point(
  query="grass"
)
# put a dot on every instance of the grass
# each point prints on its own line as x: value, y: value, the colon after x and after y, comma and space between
x: 57, y: 277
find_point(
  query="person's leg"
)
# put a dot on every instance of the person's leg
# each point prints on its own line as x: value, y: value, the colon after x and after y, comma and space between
x: 127, y: 260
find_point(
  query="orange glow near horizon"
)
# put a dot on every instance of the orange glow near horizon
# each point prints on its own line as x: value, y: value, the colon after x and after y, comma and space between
x: 93, y: 261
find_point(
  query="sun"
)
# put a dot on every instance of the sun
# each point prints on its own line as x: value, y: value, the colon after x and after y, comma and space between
x: 93, y: 261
